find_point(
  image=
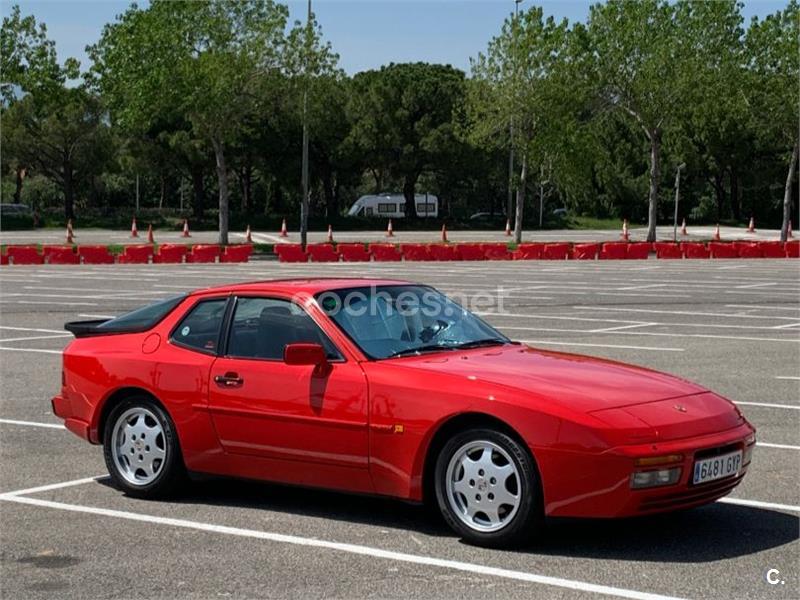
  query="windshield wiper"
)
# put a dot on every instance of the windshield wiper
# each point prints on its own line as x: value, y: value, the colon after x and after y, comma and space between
x: 479, y: 343
x: 421, y: 349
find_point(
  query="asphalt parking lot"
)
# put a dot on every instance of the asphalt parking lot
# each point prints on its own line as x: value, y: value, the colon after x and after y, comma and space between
x: 732, y: 325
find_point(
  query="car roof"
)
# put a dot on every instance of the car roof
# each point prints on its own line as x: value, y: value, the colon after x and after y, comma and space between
x: 307, y: 285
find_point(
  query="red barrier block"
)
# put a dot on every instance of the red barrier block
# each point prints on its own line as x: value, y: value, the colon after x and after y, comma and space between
x: 170, y: 253
x: 95, y: 255
x: 385, y: 252
x: 322, y: 253
x: 290, y: 253
x: 470, y: 251
x: 3, y: 259
x: 667, y: 250
x: 238, y: 253
x: 443, y: 252
x: 415, y: 252
x: 528, y: 252
x: 204, y: 253
x: 614, y: 251
x: 722, y: 250
x: 772, y: 249
x: 558, y: 251
x: 748, y: 249
x: 138, y: 254
x: 353, y: 252
x: 496, y: 251
x: 695, y: 250
x: 60, y: 255
x: 638, y: 250
x: 585, y: 251
x: 792, y: 249
x: 24, y: 255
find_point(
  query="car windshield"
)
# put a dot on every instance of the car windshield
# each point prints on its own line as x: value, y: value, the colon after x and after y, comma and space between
x: 400, y: 320
x: 143, y: 318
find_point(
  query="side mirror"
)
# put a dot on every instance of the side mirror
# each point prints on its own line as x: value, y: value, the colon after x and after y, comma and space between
x: 304, y: 354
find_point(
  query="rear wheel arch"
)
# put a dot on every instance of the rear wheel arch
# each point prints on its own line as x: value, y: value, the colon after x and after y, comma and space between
x: 121, y: 395
x: 455, y: 425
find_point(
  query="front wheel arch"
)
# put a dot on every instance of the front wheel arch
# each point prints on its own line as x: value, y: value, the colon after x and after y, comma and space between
x: 455, y: 425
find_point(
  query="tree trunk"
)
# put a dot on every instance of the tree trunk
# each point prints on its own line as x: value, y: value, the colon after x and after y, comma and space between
x: 19, y: 175
x: 69, y: 193
x: 246, y: 181
x: 719, y: 193
x: 787, y: 192
x: 222, y: 177
x: 523, y: 179
x: 655, y: 176
x: 199, y: 192
x: 409, y: 187
x: 163, y: 192
x: 327, y: 189
x: 736, y: 201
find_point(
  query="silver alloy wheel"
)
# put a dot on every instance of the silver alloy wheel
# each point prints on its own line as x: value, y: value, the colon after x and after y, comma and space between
x: 483, y: 486
x: 139, y: 447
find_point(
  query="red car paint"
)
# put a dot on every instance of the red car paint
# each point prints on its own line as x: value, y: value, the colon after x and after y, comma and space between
x: 367, y: 425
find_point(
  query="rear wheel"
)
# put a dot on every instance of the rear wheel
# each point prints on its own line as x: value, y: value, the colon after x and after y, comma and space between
x: 141, y: 449
x: 487, y: 488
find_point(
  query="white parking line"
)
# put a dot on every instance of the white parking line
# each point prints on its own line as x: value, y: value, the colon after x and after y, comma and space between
x: 556, y: 343
x: 769, y: 405
x: 31, y: 329
x: 96, y: 316
x: 356, y: 549
x: 607, y: 329
x: 31, y: 350
x: 759, y: 504
x: 51, y: 487
x: 789, y: 377
x: 780, y: 446
x: 32, y: 424
x: 35, y: 337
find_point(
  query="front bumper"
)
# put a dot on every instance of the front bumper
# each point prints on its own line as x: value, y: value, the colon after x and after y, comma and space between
x: 582, y: 485
x: 62, y: 408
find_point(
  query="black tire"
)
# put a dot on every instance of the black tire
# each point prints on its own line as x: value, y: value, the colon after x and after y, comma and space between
x: 171, y: 472
x: 526, y: 523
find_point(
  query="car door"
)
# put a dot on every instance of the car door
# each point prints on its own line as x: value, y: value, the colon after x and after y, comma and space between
x: 263, y: 407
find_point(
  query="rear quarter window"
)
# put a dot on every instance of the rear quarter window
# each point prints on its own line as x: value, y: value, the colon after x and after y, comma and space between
x: 143, y: 318
x: 200, y: 328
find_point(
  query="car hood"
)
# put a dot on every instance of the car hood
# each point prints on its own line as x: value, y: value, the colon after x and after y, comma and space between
x: 581, y: 383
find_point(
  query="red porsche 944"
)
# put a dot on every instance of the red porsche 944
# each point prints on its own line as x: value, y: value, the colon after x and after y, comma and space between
x: 387, y: 387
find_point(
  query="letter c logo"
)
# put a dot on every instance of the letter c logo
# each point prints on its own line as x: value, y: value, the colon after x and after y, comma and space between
x: 772, y: 577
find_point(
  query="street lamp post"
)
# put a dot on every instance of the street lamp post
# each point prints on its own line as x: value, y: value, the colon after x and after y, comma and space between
x: 510, y: 201
x: 677, y: 198
x: 304, y: 201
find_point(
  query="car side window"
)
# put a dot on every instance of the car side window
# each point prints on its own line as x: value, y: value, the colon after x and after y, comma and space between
x: 199, y: 329
x: 262, y: 327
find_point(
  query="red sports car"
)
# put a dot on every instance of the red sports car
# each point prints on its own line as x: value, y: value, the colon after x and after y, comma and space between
x: 387, y: 387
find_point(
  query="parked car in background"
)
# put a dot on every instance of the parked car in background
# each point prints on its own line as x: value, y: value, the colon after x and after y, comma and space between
x: 393, y: 206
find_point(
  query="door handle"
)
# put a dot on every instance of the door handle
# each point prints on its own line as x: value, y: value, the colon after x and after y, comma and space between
x: 229, y: 380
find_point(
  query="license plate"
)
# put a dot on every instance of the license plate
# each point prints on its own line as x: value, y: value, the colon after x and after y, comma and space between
x: 710, y: 469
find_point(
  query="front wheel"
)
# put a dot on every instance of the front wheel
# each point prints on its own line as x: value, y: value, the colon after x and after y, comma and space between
x: 141, y: 449
x: 487, y: 488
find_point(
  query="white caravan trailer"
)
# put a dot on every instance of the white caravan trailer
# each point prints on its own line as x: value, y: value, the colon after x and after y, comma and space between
x: 393, y: 206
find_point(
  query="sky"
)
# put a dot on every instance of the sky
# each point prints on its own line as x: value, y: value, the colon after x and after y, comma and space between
x: 365, y: 33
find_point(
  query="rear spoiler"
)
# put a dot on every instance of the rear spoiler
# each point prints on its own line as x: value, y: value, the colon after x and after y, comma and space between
x: 87, y: 328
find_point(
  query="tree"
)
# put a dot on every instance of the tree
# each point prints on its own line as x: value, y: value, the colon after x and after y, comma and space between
x: 522, y: 78
x: 206, y: 61
x: 403, y: 119
x: 637, y: 47
x: 774, y: 53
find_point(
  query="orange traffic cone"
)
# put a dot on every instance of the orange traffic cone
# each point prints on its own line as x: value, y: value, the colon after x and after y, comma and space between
x: 389, y: 230
x: 69, y: 229
x: 752, y: 227
x: 150, y: 239
x: 508, y: 227
x: 284, y: 232
x: 683, y: 228
x: 789, y: 231
x: 624, y: 234
x: 69, y: 233
x: 444, y: 233
x: 330, y: 234
x: 134, y: 229
x: 248, y: 237
x: 716, y: 237
x: 186, y: 229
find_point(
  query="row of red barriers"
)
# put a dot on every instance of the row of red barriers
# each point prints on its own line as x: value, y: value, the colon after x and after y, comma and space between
x: 534, y: 251
x: 132, y: 254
